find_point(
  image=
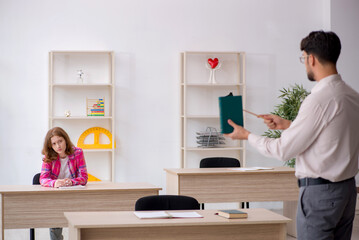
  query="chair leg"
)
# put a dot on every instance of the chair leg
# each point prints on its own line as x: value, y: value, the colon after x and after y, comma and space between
x: 202, y: 206
x: 32, y: 234
x: 245, y: 204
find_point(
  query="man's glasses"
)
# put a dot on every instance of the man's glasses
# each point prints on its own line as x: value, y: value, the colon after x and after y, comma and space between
x: 302, y: 58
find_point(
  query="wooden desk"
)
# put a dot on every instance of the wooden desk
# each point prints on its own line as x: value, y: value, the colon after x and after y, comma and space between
x: 215, y: 185
x: 34, y: 206
x: 260, y: 224
x: 209, y: 185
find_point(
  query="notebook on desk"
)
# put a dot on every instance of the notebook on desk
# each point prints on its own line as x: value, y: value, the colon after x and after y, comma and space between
x: 165, y: 214
x: 251, y: 168
x: 72, y: 187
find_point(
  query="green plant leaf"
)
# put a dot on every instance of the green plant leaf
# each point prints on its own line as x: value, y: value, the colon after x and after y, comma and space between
x: 291, y: 100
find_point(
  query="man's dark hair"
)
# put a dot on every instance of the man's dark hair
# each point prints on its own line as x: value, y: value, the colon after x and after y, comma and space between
x: 323, y: 45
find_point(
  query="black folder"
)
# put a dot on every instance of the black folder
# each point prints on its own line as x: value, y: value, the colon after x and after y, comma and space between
x: 230, y: 107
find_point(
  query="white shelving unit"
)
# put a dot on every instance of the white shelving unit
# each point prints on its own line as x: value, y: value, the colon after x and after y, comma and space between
x: 67, y: 92
x: 199, y: 103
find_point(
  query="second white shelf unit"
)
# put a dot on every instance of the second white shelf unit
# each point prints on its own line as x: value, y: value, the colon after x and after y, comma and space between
x: 199, y: 102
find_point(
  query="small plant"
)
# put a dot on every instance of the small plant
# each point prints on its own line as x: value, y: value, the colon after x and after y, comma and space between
x: 288, y: 109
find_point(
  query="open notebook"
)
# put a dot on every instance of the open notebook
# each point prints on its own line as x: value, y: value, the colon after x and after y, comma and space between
x: 164, y: 214
x: 72, y: 187
x: 252, y: 168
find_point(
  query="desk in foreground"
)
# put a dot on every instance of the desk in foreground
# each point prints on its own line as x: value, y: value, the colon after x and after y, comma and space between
x: 210, y: 185
x: 34, y: 206
x: 260, y: 224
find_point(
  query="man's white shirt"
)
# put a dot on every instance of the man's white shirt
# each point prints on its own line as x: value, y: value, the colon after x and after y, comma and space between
x: 324, y: 138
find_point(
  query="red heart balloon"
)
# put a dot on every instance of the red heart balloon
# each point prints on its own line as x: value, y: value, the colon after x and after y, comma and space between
x: 213, y: 62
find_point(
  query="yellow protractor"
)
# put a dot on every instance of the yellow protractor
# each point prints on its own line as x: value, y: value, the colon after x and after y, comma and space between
x: 96, y: 143
x: 92, y: 178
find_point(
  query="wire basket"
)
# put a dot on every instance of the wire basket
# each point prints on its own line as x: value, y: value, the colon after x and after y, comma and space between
x: 210, y: 138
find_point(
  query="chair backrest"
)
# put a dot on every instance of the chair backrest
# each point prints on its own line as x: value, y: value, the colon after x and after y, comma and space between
x: 166, y: 202
x: 36, y: 179
x: 217, y: 162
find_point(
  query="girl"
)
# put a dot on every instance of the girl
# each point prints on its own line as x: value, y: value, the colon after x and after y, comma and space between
x: 63, y: 165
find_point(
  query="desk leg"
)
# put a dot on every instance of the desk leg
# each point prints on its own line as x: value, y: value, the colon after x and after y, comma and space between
x: 290, y: 211
x: 1, y: 216
x: 74, y: 233
x: 282, y: 231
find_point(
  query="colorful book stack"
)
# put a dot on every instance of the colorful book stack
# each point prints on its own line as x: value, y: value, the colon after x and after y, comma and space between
x: 96, y: 107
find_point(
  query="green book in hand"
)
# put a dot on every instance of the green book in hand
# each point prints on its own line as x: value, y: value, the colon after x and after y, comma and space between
x: 232, y: 213
x: 230, y: 107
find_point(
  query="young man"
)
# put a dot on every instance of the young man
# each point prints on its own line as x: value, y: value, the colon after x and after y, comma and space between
x: 324, y: 138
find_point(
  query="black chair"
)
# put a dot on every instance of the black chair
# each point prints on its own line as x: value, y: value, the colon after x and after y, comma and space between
x: 166, y: 202
x: 35, y: 181
x: 220, y: 162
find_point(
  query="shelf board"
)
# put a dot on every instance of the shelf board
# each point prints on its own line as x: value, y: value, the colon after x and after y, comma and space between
x: 79, y: 118
x: 211, y: 53
x: 201, y: 116
x: 82, y: 52
x: 212, y: 85
x: 97, y: 150
x: 212, y: 149
x: 82, y: 85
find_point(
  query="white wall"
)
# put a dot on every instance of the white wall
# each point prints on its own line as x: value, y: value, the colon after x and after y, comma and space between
x: 342, y: 22
x: 344, y: 16
x: 147, y: 36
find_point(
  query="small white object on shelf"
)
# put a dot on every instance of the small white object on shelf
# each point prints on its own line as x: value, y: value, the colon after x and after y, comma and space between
x: 67, y: 113
x: 213, y: 65
x: 80, y: 74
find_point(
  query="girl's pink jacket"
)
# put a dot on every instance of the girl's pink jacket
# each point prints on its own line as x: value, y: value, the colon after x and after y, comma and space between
x: 77, y: 165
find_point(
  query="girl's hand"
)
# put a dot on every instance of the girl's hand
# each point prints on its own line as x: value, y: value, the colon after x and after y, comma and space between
x: 68, y: 182
x: 59, y: 183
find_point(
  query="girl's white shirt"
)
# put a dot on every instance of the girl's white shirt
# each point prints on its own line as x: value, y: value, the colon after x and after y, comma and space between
x: 64, y: 171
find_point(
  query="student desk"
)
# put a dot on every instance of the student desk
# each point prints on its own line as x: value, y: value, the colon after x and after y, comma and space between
x: 210, y: 185
x: 261, y: 224
x: 215, y: 185
x: 34, y: 206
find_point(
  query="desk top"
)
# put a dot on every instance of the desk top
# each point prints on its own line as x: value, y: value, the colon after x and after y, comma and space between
x: 210, y: 171
x: 128, y: 219
x: 90, y: 186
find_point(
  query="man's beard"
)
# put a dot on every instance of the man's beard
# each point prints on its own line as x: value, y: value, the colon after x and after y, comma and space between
x: 310, y: 76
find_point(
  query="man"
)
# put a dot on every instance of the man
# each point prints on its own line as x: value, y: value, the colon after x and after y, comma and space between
x: 324, y: 138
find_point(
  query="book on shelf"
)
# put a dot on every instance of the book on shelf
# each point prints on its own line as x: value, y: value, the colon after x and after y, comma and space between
x: 232, y: 213
x: 230, y: 107
x: 164, y: 214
